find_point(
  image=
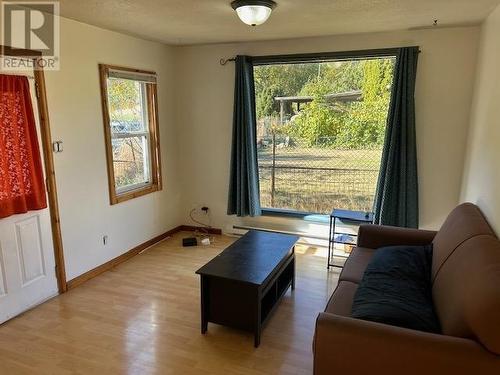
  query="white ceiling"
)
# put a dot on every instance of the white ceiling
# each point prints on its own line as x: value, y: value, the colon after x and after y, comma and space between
x: 183, y: 22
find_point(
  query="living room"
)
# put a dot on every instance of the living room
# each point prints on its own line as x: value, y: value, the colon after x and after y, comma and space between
x: 125, y: 296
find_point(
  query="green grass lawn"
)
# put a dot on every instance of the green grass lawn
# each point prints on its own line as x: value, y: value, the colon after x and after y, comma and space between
x: 347, y: 178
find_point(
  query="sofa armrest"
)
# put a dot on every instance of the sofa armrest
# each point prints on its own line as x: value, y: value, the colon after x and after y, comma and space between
x: 375, y: 236
x: 344, y: 345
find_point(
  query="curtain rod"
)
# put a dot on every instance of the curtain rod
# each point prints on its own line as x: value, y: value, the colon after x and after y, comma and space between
x: 381, y: 52
x: 225, y: 61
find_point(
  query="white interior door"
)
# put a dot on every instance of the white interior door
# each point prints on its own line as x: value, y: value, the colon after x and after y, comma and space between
x: 27, y: 265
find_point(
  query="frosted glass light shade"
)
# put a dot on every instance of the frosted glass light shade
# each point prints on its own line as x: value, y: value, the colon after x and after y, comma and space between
x: 253, y: 12
x: 254, y: 15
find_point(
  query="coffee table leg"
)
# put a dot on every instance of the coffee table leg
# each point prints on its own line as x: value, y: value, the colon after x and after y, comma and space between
x: 204, y: 305
x: 293, y: 274
x: 257, y: 338
x: 204, y: 326
x: 258, y: 311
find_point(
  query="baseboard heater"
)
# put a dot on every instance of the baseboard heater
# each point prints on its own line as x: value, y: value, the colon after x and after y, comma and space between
x: 300, y: 234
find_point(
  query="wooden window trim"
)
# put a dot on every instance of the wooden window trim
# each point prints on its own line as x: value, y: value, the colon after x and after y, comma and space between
x: 154, y: 137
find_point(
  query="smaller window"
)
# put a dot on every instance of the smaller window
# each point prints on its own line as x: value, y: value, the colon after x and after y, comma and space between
x: 129, y: 103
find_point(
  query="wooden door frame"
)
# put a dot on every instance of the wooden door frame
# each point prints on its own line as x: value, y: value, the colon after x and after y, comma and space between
x: 43, y: 113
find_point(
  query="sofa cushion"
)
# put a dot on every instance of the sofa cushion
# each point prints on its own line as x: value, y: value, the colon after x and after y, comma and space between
x: 396, y: 289
x: 463, y: 223
x: 355, y: 265
x: 376, y: 236
x: 467, y: 292
x: 341, y: 300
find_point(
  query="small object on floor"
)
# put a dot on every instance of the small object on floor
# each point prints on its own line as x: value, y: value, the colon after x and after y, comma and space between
x: 190, y: 241
x: 205, y: 241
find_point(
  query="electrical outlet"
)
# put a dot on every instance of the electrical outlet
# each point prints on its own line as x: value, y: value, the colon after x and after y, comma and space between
x: 105, y: 240
x: 199, y: 207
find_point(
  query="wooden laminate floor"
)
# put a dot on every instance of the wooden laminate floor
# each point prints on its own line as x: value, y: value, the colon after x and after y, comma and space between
x: 143, y: 317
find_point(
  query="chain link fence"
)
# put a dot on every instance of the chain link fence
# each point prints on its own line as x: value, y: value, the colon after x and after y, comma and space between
x: 297, y: 176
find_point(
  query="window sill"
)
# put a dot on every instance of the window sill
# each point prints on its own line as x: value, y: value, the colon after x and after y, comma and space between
x: 306, y: 216
x: 131, y: 194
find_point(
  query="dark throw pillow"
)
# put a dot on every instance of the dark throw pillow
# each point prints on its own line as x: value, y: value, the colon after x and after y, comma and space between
x: 396, y: 289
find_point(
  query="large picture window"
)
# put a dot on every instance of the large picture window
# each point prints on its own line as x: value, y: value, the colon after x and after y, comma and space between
x: 129, y: 99
x: 320, y: 131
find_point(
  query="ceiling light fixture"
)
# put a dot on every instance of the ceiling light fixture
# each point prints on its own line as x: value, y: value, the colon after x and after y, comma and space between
x: 253, y: 12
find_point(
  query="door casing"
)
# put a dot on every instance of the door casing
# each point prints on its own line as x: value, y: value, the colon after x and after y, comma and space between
x: 43, y: 112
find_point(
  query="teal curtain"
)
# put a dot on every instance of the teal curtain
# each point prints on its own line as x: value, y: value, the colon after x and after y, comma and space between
x: 396, y: 200
x: 244, y: 199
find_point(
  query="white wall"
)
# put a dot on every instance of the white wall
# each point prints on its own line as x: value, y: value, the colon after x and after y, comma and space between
x: 195, y: 109
x: 204, y: 103
x: 75, y: 114
x: 481, y: 180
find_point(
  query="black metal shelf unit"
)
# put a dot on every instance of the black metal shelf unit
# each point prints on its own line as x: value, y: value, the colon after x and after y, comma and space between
x: 346, y: 216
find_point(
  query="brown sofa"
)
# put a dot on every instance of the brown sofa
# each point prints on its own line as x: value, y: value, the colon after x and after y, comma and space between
x: 466, y: 294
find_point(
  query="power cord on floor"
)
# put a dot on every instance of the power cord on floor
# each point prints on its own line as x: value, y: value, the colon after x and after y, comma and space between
x: 204, y: 230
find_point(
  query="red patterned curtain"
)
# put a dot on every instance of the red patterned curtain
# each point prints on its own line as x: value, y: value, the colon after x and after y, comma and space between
x: 21, y: 176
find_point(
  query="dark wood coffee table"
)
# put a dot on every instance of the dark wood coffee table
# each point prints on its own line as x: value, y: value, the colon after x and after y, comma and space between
x: 242, y: 286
